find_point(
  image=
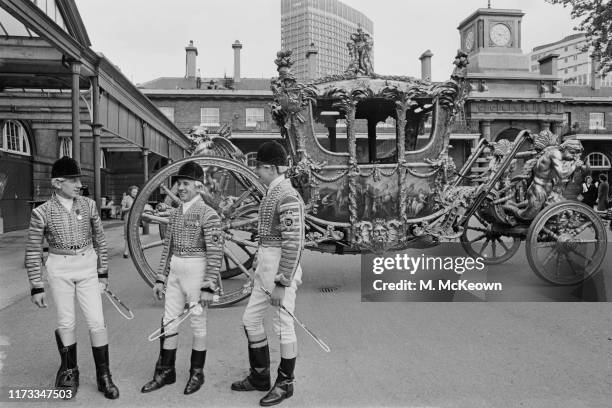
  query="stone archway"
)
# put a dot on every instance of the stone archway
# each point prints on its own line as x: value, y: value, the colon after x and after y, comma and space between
x: 509, y: 134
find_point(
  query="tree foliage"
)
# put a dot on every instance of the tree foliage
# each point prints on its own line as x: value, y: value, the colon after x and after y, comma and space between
x: 596, y: 23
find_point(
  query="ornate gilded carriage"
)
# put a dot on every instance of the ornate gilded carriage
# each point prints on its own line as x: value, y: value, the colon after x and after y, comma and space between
x: 385, y: 202
x: 407, y: 194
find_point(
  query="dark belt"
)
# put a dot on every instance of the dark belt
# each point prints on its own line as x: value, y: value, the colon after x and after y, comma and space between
x: 70, y: 250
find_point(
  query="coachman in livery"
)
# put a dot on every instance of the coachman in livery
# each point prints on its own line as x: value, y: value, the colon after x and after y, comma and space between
x: 77, y: 264
x: 281, y: 240
x: 189, y: 273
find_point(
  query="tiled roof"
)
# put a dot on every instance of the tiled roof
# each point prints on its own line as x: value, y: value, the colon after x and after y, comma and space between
x: 246, y: 84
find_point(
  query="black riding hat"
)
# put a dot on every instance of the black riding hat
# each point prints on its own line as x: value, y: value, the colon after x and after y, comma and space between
x: 65, y: 167
x: 190, y: 170
x: 272, y: 153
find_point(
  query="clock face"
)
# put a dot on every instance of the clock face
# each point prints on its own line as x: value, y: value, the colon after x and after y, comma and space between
x: 468, y: 43
x: 500, y: 35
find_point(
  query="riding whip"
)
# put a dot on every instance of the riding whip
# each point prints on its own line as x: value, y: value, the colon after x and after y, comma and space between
x: 119, y: 305
x: 194, y: 308
x: 317, y: 340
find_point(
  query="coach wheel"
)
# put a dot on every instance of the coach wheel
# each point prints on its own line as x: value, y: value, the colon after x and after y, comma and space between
x: 234, y: 191
x: 566, y: 243
x: 478, y: 240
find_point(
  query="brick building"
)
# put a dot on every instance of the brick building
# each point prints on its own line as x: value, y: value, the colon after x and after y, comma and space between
x: 588, y: 118
x: 242, y: 103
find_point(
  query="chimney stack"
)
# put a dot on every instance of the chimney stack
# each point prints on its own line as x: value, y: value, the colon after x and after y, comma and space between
x: 312, y: 55
x: 595, y: 77
x: 548, y: 64
x: 426, y: 65
x: 191, y: 53
x: 237, y: 47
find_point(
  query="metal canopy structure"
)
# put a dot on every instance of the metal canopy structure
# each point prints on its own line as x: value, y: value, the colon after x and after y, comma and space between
x: 45, y: 46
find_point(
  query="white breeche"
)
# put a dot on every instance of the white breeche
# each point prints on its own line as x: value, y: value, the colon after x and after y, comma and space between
x: 268, y: 259
x: 183, y: 286
x: 76, y: 274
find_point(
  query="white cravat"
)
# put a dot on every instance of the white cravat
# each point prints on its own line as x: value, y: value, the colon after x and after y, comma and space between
x: 190, y: 203
x: 66, y: 202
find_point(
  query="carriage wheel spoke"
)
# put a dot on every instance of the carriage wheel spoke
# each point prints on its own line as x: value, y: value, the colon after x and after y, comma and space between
x: 238, y: 263
x: 549, y: 257
x: 485, y: 245
x: 583, y: 227
x: 480, y: 219
x: 239, y: 200
x: 494, y: 247
x: 503, y: 244
x: 152, y: 245
x: 240, y: 242
x: 570, y: 263
x: 558, y: 266
x: 546, y: 244
x: 478, y: 238
x: 154, y: 219
x: 550, y: 233
x: 580, y: 255
x: 481, y: 229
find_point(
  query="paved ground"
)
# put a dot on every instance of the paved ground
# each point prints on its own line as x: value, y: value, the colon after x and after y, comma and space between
x: 383, y: 354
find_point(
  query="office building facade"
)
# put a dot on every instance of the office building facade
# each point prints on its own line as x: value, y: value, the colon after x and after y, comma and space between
x: 575, y: 65
x: 328, y: 24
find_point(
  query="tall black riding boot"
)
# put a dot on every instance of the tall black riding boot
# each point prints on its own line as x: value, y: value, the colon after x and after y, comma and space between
x: 103, y: 375
x: 196, y: 371
x: 283, y: 387
x: 259, y: 376
x: 164, y: 372
x: 68, y: 374
x: 164, y: 369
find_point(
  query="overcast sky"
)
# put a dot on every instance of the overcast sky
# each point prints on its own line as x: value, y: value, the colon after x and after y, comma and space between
x: 147, y: 38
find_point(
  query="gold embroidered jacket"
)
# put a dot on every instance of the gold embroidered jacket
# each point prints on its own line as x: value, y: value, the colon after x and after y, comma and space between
x: 197, y: 233
x: 67, y: 232
x: 281, y: 224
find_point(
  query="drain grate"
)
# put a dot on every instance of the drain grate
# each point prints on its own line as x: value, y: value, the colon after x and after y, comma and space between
x: 329, y: 290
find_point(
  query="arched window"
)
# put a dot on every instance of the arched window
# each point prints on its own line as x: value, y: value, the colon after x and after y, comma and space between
x: 14, y: 138
x: 65, y: 148
x: 598, y: 161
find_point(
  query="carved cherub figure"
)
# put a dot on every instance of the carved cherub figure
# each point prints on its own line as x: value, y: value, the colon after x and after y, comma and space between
x: 549, y: 168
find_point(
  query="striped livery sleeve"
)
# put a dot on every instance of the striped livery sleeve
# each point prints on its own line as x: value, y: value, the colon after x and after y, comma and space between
x: 214, y: 239
x: 99, y: 239
x: 291, y: 216
x: 164, y: 263
x: 34, y: 249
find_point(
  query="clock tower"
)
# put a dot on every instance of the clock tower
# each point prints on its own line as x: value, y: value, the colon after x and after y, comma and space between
x: 492, y: 40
